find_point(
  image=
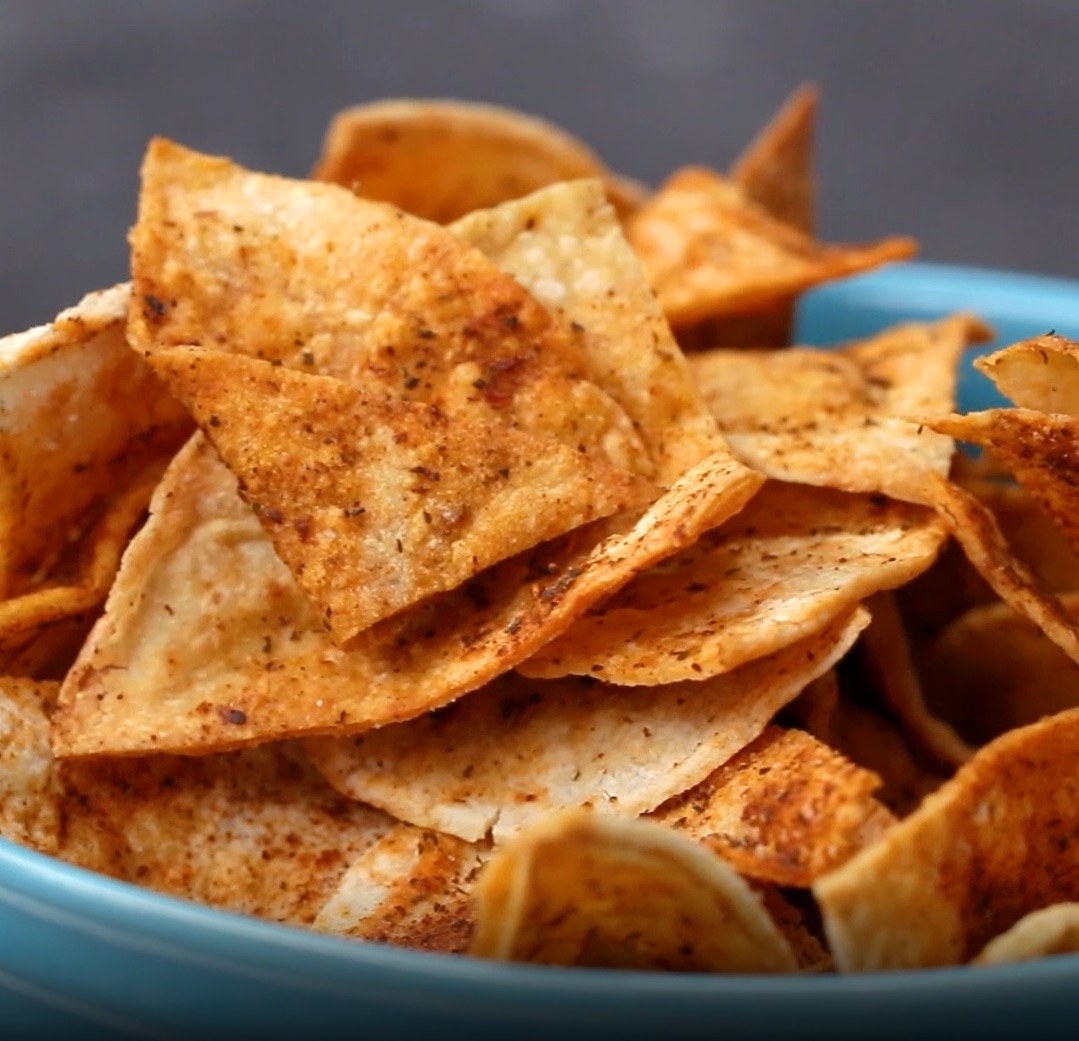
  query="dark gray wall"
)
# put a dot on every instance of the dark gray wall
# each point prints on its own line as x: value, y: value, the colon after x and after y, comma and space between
x: 953, y: 120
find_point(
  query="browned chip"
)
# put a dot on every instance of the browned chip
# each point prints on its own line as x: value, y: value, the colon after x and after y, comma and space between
x: 566, y: 247
x: 441, y: 159
x: 411, y: 888
x: 79, y: 415
x: 375, y: 503
x: 991, y: 845
x: 207, y: 643
x: 1041, y: 373
x: 1040, y: 934
x: 495, y: 761
x: 309, y: 275
x: 584, y: 889
x: 786, y: 809
x: 710, y: 252
x: 792, y: 561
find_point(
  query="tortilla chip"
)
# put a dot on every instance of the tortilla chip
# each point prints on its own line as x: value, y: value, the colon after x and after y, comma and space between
x: 311, y: 276
x: 776, y: 169
x: 1041, y: 450
x: 1040, y: 934
x: 887, y: 654
x: 793, y: 560
x: 992, y: 670
x: 207, y: 643
x: 583, y: 889
x: 506, y: 755
x: 992, y: 844
x: 565, y: 246
x: 786, y: 809
x: 1041, y: 373
x: 411, y: 888
x: 80, y: 413
x: 709, y: 251
x: 441, y: 159
x: 257, y: 832
x: 30, y: 796
x: 375, y: 503
x: 841, y: 418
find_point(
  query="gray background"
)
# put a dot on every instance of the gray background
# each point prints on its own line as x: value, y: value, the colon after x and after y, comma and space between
x: 952, y: 120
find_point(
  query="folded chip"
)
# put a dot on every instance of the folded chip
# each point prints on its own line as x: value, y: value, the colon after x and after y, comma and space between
x: 1040, y: 934
x: 1041, y: 373
x: 504, y: 756
x: 376, y: 503
x: 482, y: 155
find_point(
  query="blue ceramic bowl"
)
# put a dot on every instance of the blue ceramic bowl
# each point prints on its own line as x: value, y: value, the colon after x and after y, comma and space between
x: 84, y: 956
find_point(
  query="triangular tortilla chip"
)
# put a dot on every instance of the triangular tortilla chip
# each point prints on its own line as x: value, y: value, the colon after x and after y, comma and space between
x: 583, y: 889
x: 710, y: 252
x: 792, y: 561
x: 309, y: 275
x: 1040, y: 934
x: 411, y: 888
x: 566, y: 247
x: 207, y: 643
x: 375, y: 503
x: 441, y: 159
x: 786, y: 809
x: 502, y: 757
x: 1041, y: 373
x: 79, y: 415
x: 992, y: 844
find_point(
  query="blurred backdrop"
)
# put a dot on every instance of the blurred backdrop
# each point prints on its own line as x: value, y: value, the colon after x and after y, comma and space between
x: 952, y: 120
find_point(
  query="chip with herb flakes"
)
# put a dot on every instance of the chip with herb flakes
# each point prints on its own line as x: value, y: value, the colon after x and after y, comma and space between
x: 791, y: 562
x: 375, y: 503
x: 1041, y: 373
x: 503, y: 756
x: 580, y: 888
x: 710, y: 252
x: 989, y: 846
x: 483, y: 155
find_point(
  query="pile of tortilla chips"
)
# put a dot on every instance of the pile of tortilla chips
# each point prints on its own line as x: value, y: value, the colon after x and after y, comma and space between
x: 451, y: 550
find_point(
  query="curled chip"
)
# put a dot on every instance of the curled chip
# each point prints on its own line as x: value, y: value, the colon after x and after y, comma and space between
x: 583, y: 889
x: 992, y: 844
x: 483, y: 155
x: 1041, y: 374
x: 1052, y: 930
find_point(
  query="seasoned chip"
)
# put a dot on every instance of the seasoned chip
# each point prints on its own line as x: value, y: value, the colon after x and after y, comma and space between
x: 1041, y: 373
x: 375, y: 503
x: 1040, y: 934
x: 207, y: 643
x: 992, y: 844
x: 500, y: 758
x: 584, y: 889
x: 441, y: 159
x: 566, y: 247
x: 710, y: 252
x: 792, y: 561
x: 309, y: 275
x: 80, y: 413
x: 412, y: 888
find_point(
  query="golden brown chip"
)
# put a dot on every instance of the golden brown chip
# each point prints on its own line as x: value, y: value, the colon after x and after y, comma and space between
x: 411, y: 888
x: 1041, y: 373
x: 992, y: 670
x: 584, y: 889
x: 30, y: 797
x: 566, y: 247
x: 207, y: 643
x: 1040, y: 934
x: 256, y: 832
x: 496, y: 760
x: 309, y: 275
x: 80, y: 413
x: 375, y: 503
x: 710, y: 252
x: 992, y: 844
x: 441, y: 159
x: 786, y: 809
x: 796, y: 918
x: 792, y: 561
